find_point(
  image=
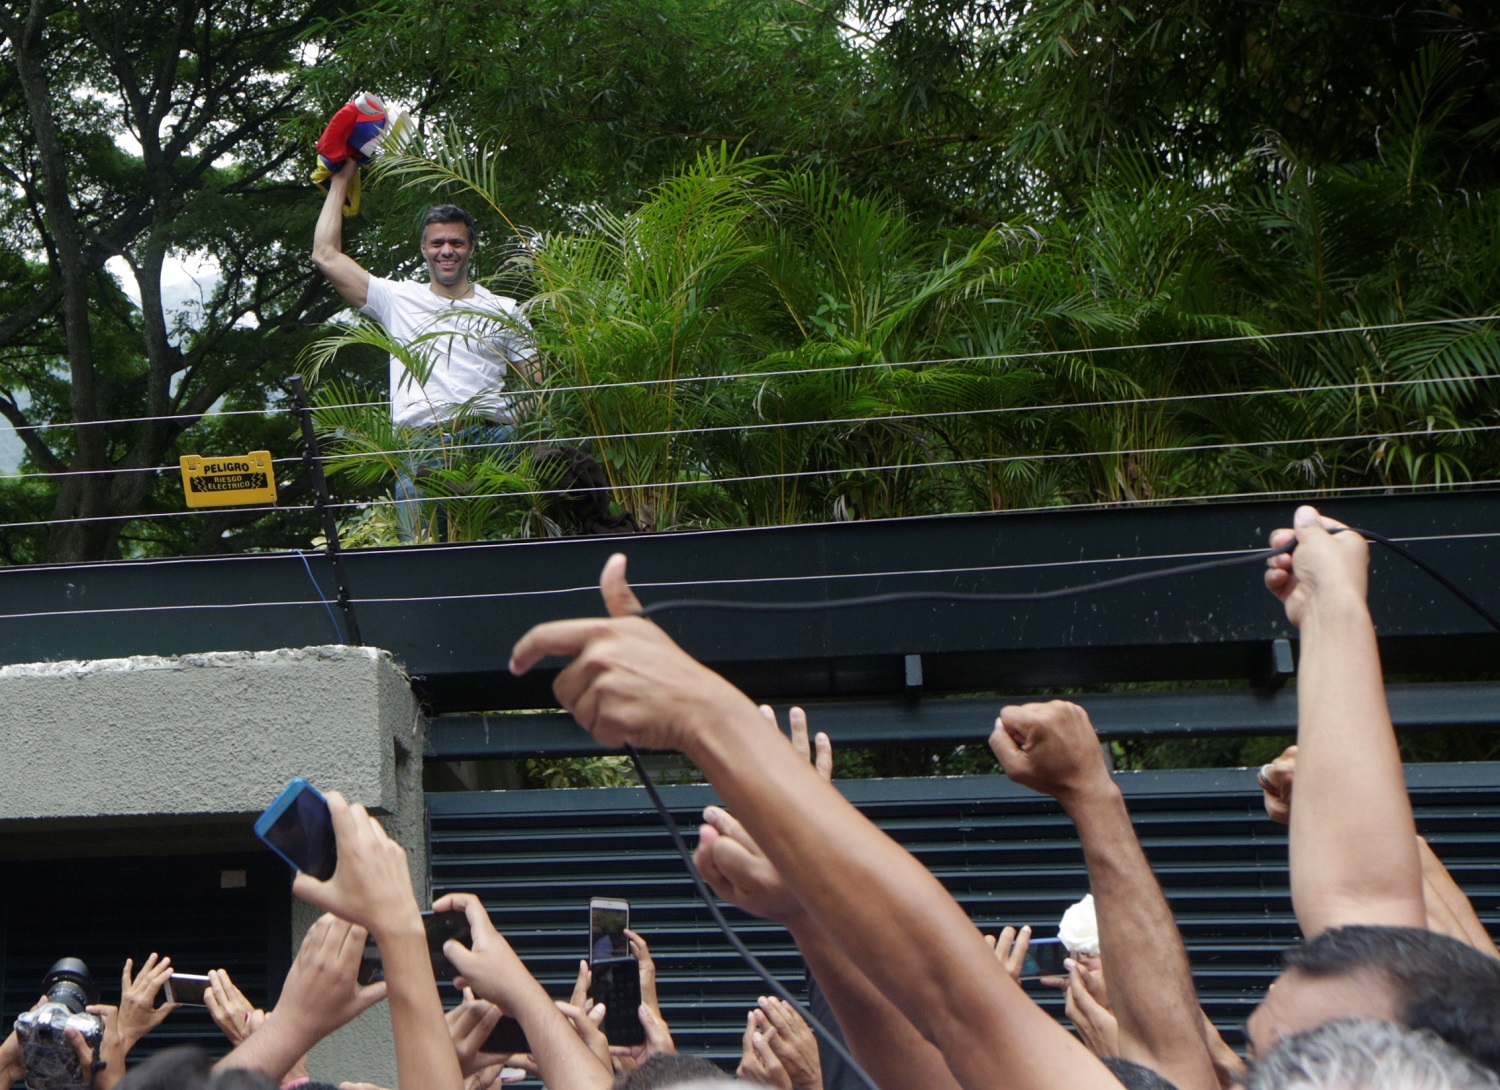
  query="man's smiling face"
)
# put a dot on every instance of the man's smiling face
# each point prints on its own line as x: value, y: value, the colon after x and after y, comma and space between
x: 447, y: 249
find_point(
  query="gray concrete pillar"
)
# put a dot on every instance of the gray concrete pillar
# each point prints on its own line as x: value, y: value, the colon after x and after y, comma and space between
x: 149, y: 752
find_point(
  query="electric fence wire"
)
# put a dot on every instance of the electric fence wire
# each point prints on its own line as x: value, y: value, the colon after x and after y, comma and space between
x: 692, y: 482
x: 893, y: 418
x: 905, y: 418
x: 881, y: 365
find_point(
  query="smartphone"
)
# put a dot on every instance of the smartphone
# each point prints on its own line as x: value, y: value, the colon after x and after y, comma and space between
x: 617, y: 984
x: 507, y: 1037
x: 298, y: 828
x: 1044, y: 957
x: 185, y: 988
x: 440, y: 927
x: 608, y: 919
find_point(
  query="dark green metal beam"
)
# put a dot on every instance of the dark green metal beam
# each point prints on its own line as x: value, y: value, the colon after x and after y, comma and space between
x: 1436, y: 706
x: 451, y: 614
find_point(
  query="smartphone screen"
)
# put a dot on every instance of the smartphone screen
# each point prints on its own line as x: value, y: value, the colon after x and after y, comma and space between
x: 297, y: 827
x: 608, y: 920
x: 440, y: 927
x: 185, y: 988
x: 1044, y: 957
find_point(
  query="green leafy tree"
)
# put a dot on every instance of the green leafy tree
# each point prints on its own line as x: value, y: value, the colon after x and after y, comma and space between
x: 143, y: 133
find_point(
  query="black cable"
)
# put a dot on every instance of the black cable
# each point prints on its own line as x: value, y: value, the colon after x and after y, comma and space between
x: 706, y: 895
x: 743, y: 606
x: 676, y: 605
x: 1411, y: 557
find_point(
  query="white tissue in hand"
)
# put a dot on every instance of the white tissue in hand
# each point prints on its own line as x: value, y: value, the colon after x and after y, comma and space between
x: 1079, y: 927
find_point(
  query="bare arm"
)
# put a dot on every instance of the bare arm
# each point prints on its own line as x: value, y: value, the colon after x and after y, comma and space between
x: 320, y: 995
x: 349, y: 279
x: 491, y: 968
x: 1449, y: 905
x: 371, y: 886
x: 1052, y: 748
x: 1353, y: 844
x: 630, y: 683
x: 878, y: 1035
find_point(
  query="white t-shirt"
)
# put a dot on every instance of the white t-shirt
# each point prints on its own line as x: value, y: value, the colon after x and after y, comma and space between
x: 469, y: 344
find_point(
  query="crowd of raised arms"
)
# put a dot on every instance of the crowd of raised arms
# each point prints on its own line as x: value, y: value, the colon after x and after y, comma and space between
x: 1396, y: 985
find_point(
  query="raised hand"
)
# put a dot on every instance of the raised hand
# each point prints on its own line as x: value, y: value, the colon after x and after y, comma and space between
x: 1051, y: 748
x: 322, y: 992
x: 642, y: 953
x: 470, y: 1024
x: 372, y: 884
x: 1095, y: 1022
x: 1324, y: 563
x: 139, y: 1014
x: 793, y: 1043
x: 1275, y: 781
x: 488, y: 966
x: 628, y: 682
x: 739, y: 872
x: 758, y: 1060
x: 1010, y: 948
x: 228, y: 1007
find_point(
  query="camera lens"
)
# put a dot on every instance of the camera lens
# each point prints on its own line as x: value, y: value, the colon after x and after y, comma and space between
x: 70, y: 983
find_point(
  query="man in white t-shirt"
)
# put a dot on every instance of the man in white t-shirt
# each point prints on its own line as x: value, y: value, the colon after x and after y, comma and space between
x: 464, y: 340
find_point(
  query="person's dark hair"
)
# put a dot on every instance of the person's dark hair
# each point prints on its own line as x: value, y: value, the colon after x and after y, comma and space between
x: 670, y: 1069
x: 190, y: 1068
x: 449, y: 213
x: 1133, y: 1076
x: 1439, y: 983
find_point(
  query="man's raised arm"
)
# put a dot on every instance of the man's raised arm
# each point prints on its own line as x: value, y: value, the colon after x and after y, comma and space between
x: 1052, y: 748
x: 346, y: 275
x: 629, y: 683
x: 1353, y: 843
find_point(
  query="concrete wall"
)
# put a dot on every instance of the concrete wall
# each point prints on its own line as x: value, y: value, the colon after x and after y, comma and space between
x: 160, y: 755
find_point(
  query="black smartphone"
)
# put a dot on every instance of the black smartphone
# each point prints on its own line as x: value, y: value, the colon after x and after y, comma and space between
x: 440, y: 927
x: 616, y: 982
x: 1044, y: 957
x: 297, y: 827
x: 185, y: 988
x: 507, y: 1037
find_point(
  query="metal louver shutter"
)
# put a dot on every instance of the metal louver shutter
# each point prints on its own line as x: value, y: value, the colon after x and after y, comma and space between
x: 105, y: 910
x: 1006, y: 854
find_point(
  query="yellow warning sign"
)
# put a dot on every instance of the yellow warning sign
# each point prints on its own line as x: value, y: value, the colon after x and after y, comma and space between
x: 230, y: 480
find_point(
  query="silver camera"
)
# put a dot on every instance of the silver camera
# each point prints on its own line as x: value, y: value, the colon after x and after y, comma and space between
x: 51, y: 1063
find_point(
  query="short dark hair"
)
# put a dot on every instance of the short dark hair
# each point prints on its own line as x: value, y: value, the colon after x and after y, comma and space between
x: 1439, y: 983
x: 449, y: 213
x: 670, y: 1069
x: 190, y: 1068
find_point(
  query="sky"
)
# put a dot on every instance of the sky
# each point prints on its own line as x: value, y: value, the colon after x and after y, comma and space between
x: 185, y: 284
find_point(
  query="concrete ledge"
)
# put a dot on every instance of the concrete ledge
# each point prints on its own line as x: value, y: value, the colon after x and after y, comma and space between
x: 210, y: 734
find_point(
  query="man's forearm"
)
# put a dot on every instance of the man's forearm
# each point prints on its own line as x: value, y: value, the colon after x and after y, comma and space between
x: 424, y: 1051
x: 863, y: 888
x: 1353, y: 840
x: 563, y: 1060
x: 878, y: 1035
x: 274, y: 1049
x: 328, y: 235
x: 1150, y: 981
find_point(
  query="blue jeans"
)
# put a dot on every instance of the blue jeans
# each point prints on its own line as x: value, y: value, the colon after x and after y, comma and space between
x: 438, y: 448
